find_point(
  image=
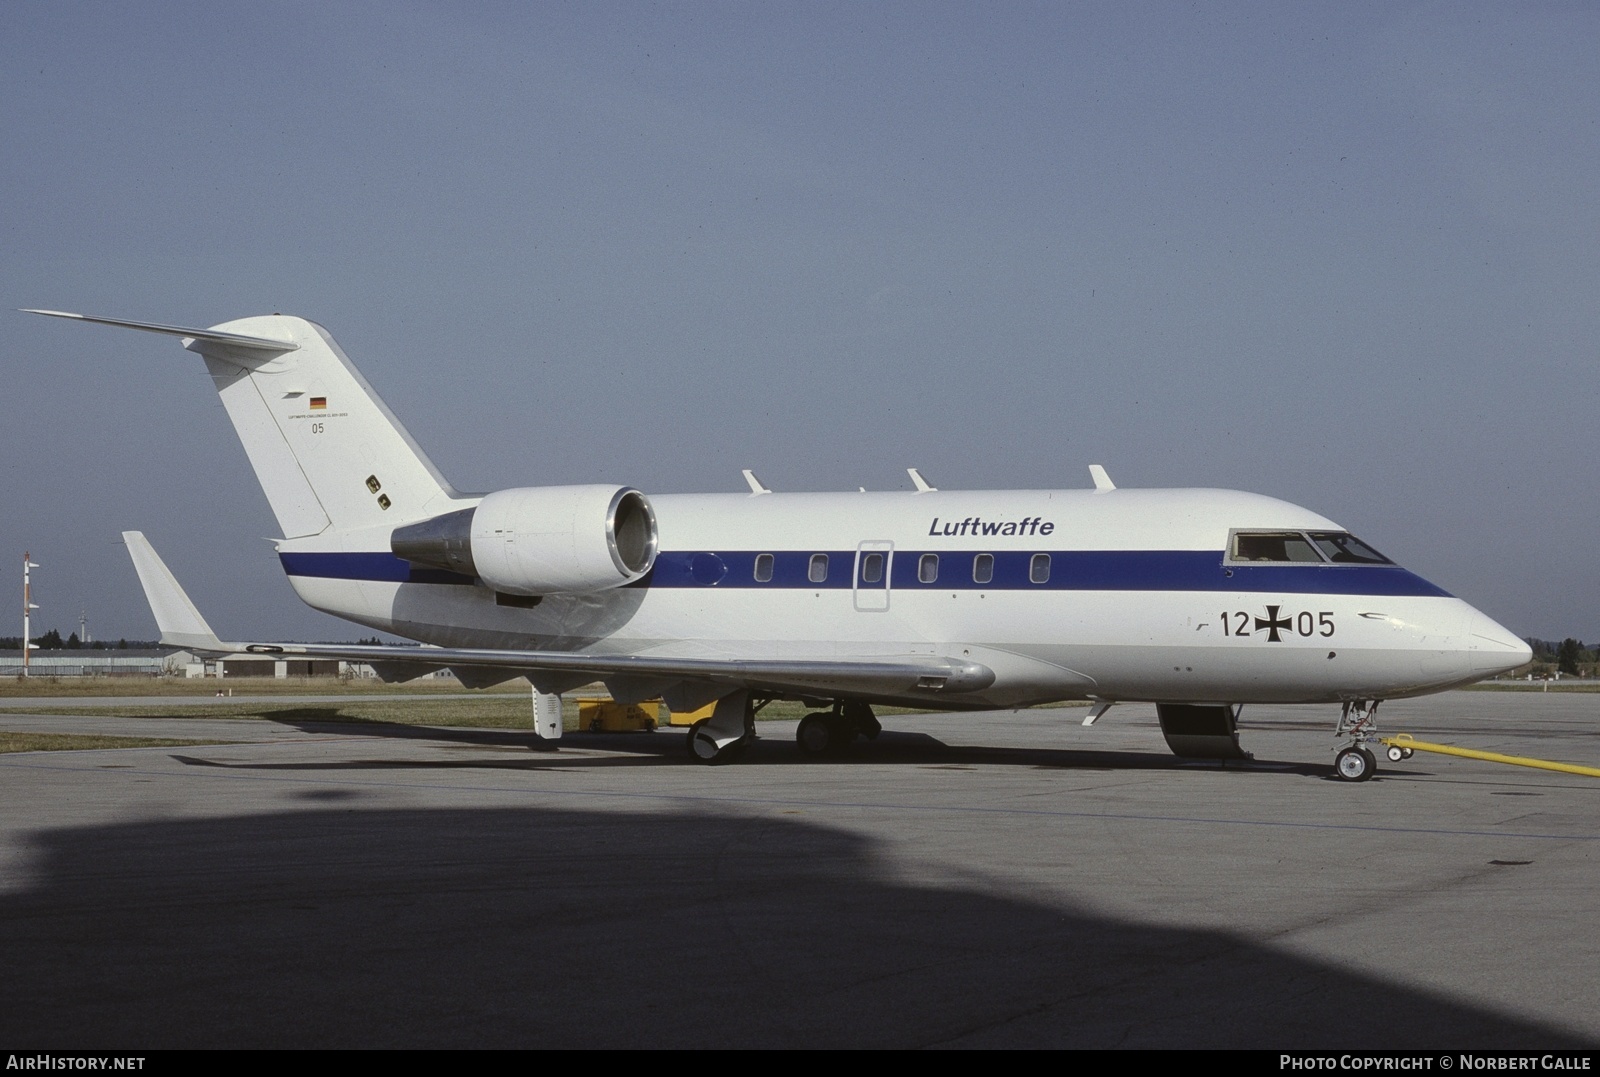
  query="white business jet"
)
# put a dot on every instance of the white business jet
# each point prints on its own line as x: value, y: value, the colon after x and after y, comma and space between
x: 1199, y: 601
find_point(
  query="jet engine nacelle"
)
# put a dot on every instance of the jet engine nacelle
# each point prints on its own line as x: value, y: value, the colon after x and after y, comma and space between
x: 540, y: 540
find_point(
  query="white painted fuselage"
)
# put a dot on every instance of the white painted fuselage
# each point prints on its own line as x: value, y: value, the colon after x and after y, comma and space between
x: 1140, y: 601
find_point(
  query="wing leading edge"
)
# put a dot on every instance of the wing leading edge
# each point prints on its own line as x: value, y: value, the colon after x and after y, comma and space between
x: 689, y: 681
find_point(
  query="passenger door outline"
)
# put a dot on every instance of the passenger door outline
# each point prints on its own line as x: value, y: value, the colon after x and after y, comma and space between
x: 873, y: 596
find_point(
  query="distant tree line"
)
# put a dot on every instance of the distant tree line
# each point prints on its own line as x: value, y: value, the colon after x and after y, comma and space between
x: 52, y: 641
x: 1572, y: 657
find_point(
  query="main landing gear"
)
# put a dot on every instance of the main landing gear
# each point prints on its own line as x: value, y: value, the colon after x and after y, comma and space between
x: 831, y: 732
x: 1356, y: 762
x: 724, y: 736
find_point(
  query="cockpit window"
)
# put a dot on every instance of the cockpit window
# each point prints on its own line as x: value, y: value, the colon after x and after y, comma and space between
x: 1273, y: 546
x: 1301, y: 547
x: 1343, y: 548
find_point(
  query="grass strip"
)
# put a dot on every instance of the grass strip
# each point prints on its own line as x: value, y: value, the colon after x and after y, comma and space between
x: 1534, y: 686
x: 82, y: 742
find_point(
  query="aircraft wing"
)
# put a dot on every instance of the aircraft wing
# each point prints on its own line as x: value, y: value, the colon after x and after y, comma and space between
x: 689, y: 681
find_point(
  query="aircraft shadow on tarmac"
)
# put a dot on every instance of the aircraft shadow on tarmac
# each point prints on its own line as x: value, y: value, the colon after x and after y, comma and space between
x: 666, y: 747
x: 535, y: 928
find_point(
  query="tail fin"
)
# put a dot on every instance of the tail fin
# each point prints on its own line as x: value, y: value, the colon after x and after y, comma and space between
x: 328, y: 453
x: 324, y: 446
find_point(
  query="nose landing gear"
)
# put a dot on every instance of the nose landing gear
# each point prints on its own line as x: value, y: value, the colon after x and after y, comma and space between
x: 1358, y: 720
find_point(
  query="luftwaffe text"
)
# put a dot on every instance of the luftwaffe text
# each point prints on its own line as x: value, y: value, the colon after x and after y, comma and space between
x: 977, y: 525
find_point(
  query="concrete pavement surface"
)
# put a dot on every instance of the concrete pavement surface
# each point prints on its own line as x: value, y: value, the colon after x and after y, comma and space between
x: 964, y: 881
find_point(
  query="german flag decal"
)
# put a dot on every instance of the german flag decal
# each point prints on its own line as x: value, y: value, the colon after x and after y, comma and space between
x: 319, y: 403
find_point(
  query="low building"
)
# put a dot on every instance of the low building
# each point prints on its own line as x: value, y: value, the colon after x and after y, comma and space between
x: 168, y: 662
x: 130, y: 662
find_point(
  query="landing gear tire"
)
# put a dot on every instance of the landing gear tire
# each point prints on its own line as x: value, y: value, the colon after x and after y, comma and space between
x: 826, y: 733
x: 1355, y: 764
x: 860, y: 721
x: 703, y: 748
x: 813, y: 735
x: 842, y: 732
x: 833, y: 732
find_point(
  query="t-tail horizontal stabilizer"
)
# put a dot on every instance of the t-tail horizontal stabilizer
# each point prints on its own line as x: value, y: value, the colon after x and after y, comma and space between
x: 180, y: 622
x: 213, y: 336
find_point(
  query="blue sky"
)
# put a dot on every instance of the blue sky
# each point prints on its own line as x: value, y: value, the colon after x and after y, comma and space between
x: 1341, y: 254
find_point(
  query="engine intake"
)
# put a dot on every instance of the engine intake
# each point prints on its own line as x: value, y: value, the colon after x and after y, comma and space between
x: 540, y: 540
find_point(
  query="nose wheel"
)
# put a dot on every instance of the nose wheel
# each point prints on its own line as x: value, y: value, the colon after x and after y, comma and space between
x: 1356, y: 762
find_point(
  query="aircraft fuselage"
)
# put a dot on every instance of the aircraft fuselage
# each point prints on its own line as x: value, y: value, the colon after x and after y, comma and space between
x: 1115, y: 595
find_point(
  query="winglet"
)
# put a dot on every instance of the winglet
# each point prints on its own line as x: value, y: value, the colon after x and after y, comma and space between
x: 180, y: 623
x: 755, y: 483
x: 1102, y: 481
x: 922, y: 483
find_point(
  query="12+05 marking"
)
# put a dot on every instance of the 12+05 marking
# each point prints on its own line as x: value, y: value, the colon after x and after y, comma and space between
x: 1304, y: 623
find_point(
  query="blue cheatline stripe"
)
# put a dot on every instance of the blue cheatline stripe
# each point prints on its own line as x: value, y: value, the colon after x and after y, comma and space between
x: 365, y: 566
x: 1070, y: 570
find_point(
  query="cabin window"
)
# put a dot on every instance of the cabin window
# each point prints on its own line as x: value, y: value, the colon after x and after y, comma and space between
x: 983, y: 568
x: 1039, y: 568
x: 872, y: 568
x: 1343, y: 548
x: 1274, y: 546
x: 818, y: 571
x: 928, y: 568
x: 764, y: 568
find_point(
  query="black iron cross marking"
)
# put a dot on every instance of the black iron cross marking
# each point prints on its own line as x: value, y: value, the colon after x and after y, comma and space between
x: 1272, y: 624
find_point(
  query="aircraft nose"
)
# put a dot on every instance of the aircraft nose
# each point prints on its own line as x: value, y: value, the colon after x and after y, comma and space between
x: 1494, y: 649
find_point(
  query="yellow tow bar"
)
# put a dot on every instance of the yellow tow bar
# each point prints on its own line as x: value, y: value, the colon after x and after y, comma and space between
x: 1404, y: 742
